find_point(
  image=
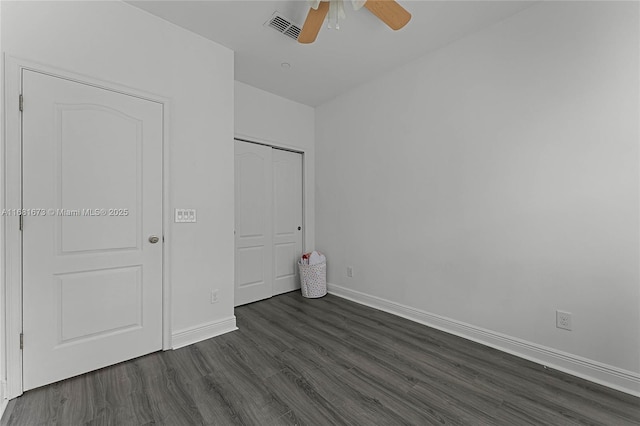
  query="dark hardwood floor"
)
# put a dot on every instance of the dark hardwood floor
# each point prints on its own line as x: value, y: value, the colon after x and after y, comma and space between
x: 325, y: 361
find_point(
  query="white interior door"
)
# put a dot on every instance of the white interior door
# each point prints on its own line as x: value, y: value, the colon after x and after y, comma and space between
x: 254, y: 223
x: 287, y: 219
x: 92, y: 169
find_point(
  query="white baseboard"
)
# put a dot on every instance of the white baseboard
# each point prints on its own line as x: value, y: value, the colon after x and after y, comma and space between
x: 3, y: 397
x: 201, y: 332
x: 594, y: 371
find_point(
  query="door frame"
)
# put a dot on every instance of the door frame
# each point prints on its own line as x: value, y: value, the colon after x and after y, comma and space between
x: 305, y: 158
x: 11, y: 186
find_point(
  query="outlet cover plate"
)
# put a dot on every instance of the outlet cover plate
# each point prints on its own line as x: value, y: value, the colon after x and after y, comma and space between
x: 563, y: 320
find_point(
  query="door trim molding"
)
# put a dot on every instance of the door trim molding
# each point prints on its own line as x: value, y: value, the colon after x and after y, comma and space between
x: 11, y: 185
x: 270, y: 144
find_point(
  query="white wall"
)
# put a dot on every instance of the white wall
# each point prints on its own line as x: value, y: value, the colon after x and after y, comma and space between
x: 264, y: 117
x: 118, y: 43
x: 3, y: 375
x: 495, y: 181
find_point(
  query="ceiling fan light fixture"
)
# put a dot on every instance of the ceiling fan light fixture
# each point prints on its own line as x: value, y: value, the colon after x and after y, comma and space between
x: 388, y: 11
x: 336, y: 13
x: 336, y: 10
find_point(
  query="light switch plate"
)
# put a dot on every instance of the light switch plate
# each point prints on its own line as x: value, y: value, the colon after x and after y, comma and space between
x: 185, y: 216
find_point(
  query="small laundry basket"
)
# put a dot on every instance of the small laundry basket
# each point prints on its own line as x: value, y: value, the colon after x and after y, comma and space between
x: 313, y: 279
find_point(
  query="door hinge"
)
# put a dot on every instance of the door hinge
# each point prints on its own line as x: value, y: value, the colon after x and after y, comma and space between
x: 21, y: 102
x: 21, y: 222
x: 21, y: 341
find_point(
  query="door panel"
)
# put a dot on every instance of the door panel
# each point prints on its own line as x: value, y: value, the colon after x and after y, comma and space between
x: 287, y: 208
x: 253, y: 211
x: 101, y: 137
x: 284, y: 253
x: 92, y: 282
x: 83, y: 295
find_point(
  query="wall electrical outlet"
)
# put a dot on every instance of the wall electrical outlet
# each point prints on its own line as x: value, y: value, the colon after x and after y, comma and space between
x: 563, y: 320
x: 350, y: 271
x: 214, y: 296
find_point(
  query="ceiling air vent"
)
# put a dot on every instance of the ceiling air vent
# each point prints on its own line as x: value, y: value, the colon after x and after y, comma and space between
x: 283, y: 25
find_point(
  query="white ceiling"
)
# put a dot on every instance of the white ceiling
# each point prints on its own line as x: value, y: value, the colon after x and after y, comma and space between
x: 339, y: 59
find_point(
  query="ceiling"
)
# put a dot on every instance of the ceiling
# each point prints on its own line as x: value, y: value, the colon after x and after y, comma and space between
x: 339, y: 59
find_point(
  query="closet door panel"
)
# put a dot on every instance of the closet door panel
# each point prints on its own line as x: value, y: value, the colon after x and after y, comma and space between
x: 287, y: 219
x: 253, y: 223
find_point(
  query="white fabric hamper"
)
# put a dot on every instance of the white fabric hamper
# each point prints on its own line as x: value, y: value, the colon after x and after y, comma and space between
x: 313, y: 279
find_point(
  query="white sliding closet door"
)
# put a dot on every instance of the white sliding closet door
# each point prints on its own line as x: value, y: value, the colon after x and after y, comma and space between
x: 287, y: 220
x: 254, y: 223
x: 268, y: 192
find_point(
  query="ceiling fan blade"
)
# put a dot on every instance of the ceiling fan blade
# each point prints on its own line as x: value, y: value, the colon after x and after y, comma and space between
x: 313, y: 23
x: 389, y: 12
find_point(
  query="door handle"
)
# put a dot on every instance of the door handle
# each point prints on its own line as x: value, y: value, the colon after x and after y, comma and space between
x: 153, y: 239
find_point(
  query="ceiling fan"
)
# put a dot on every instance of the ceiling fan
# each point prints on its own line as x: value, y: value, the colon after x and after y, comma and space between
x: 388, y: 11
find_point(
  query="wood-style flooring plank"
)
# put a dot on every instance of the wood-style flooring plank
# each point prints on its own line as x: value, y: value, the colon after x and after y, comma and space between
x: 328, y: 361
